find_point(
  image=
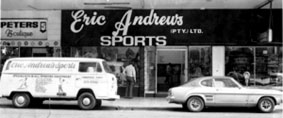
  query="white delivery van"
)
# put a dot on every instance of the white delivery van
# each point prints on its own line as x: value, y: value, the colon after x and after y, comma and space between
x: 30, y: 81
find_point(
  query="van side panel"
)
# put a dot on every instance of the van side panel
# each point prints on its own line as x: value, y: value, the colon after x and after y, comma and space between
x: 55, y: 78
x: 39, y: 85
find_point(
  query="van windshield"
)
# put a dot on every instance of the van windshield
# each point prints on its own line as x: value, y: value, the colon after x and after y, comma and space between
x: 106, y: 67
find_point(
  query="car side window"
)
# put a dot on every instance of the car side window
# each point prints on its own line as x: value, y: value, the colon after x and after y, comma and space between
x: 221, y: 82
x: 90, y: 67
x: 207, y: 83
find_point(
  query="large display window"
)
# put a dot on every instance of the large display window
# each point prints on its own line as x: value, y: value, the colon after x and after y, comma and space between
x: 200, y: 63
x: 255, y: 65
x: 116, y: 58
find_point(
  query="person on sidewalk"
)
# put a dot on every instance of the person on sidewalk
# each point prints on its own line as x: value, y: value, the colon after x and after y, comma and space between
x: 130, y: 73
x: 169, y: 79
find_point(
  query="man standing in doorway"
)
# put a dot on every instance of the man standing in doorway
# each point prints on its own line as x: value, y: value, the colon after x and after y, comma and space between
x: 130, y: 73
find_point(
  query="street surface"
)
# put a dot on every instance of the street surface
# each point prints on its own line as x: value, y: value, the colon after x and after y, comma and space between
x: 110, y: 109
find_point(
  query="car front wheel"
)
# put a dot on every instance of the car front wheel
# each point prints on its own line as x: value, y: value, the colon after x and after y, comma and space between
x: 195, y: 104
x: 266, y: 105
x: 86, y: 101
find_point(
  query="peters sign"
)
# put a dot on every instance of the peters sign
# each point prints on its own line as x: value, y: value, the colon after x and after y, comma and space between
x: 19, y: 29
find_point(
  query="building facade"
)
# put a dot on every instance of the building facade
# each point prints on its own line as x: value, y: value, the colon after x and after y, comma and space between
x: 193, y: 42
x: 168, y: 47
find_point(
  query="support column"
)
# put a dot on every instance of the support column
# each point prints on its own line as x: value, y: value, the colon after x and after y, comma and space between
x: 218, y: 61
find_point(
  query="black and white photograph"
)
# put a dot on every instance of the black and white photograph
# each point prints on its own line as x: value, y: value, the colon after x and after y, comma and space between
x: 141, y: 59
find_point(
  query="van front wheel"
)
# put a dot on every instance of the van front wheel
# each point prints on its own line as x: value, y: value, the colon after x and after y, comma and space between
x: 86, y: 101
x: 21, y: 100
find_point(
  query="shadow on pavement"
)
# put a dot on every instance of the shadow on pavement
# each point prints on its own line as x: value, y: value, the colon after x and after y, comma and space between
x: 74, y: 106
x: 57, y: 107
x: 206, y: 110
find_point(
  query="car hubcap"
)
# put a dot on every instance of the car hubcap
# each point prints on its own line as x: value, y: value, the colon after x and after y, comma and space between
x: 86, y: 101
x: 266, y: 105
x: 20, y: 100
x: 195, y: 104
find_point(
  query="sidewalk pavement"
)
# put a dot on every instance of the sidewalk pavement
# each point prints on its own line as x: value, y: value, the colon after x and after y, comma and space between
x: 141, y: 103
x: 136, y: 103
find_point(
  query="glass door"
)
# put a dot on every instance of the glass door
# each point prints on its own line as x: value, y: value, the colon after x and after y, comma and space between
x: 171, y: 67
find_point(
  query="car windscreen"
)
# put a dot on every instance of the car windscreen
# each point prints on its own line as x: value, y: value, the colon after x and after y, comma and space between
x: 106, y: 67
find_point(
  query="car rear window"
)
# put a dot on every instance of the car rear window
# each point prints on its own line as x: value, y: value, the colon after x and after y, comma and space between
x: 192, y: 83
x: 207, y: 83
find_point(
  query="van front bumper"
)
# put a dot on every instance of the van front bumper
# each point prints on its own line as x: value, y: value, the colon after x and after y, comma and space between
x: 110, y: 98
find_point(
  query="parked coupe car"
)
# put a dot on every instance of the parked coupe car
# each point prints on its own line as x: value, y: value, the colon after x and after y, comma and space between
x: 211, y: 91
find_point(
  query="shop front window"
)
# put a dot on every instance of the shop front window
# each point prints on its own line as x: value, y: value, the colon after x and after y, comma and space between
x: 116, y: 58
x: 199, y: 61
x: 254, y: 65
x: 268, y: 66
x: 239, y: 60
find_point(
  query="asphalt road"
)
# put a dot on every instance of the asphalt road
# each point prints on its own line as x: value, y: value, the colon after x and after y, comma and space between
x: 69, y: 109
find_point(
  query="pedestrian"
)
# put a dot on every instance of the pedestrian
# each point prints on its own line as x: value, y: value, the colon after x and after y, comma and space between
x: 169, y: 77
x: 176, y: 75
x: 130, y: 73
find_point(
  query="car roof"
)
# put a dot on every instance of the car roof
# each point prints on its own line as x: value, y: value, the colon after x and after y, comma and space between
x: 196, y: 81
x: 210, y: 77
x: 56, y: 59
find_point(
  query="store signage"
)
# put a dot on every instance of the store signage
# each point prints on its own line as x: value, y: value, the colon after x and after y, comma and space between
x: 18, y: 29
x: 158, y: 27
x: 119, y: 35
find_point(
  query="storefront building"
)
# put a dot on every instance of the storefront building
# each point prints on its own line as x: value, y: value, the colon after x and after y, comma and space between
x: 189, y: 43
x: 30, y: 34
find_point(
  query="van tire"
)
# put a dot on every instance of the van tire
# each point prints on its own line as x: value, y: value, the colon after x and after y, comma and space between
x: 86, y: 101
x: 21, y: 100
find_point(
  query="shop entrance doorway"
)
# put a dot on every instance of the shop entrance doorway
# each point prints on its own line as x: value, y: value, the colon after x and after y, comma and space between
x: 171, y: 67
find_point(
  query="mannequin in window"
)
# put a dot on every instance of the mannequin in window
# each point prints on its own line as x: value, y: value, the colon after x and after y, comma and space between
x: 247, y: 75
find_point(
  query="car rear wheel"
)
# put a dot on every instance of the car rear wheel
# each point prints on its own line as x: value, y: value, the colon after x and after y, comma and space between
x: 86, y: 101
x: 195, y: 104
x: 266, y: 105
x: 21, y: 100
